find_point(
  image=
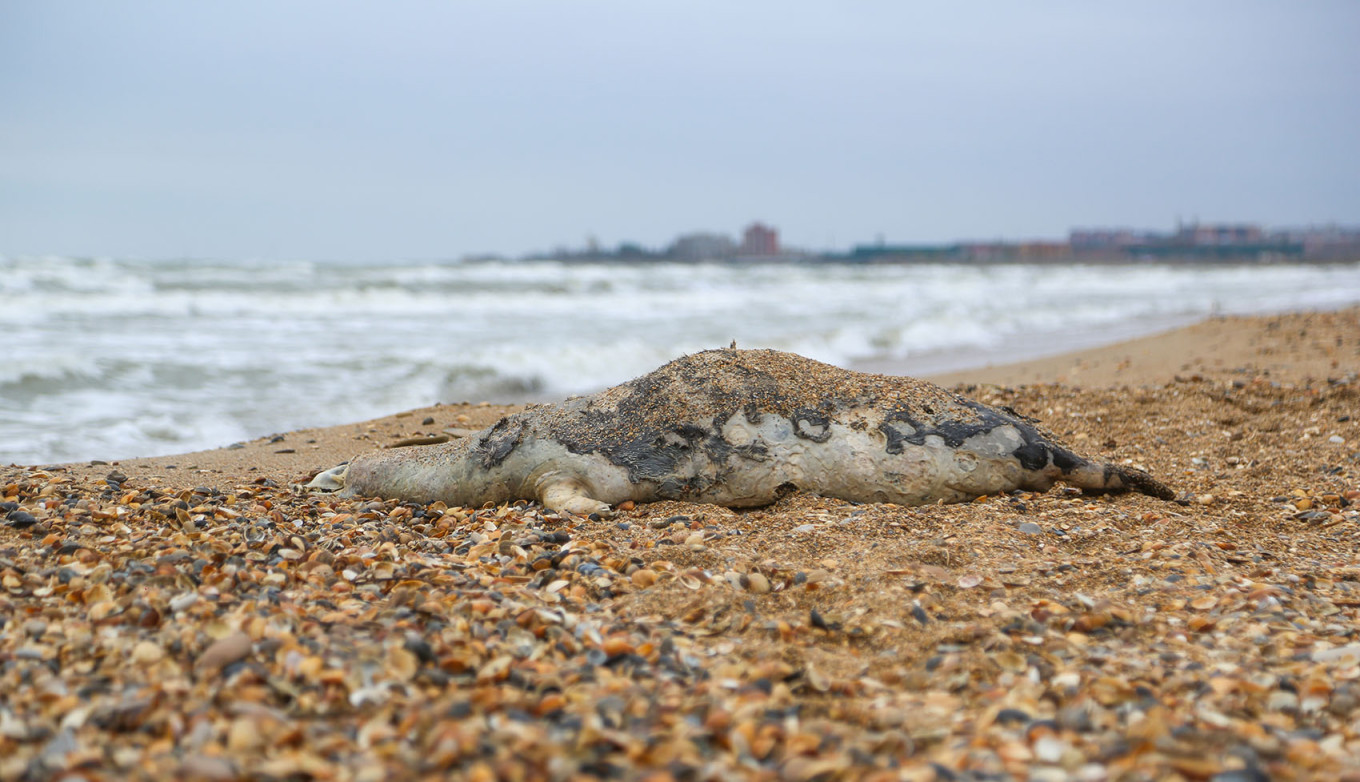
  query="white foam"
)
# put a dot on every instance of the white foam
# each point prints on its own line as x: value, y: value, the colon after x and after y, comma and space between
x: 115, y: 358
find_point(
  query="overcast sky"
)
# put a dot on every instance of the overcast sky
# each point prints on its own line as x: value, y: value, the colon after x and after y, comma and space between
x: 404, y: 129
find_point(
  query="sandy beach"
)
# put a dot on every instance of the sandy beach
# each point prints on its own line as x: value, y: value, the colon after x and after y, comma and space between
x: 197, y: 617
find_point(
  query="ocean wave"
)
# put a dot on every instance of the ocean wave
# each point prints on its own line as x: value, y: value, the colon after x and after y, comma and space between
x: 114, y: 358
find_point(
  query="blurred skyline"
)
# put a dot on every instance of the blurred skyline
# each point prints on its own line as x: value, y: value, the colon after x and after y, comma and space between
x: 346, y: 130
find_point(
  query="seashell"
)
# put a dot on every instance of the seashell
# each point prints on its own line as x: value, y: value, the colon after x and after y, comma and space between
x: 816, y: 679
x: 147, y: 652
x: 182, y: 601
x: 756, y: 582
x: 223, y: 652
x: 402, y: 664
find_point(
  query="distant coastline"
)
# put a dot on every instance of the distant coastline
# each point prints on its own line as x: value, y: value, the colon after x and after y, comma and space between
x: 1188, y: 243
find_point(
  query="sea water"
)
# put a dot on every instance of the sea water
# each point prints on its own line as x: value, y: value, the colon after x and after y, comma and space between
x: 108, y: 359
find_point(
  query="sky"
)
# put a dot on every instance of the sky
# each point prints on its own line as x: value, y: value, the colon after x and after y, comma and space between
x: 416, y: 129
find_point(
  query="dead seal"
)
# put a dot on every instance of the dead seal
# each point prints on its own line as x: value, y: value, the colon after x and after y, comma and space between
x: 740, y: 428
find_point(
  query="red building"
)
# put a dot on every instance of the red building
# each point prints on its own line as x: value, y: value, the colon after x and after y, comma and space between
x: 760, y: 239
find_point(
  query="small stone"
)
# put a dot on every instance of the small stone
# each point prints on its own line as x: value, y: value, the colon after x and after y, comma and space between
x: 1030, y: 528
x: 1248, y: 774
x: 919, y: 614
x: 1012, y: 717
x: 1049, y: 749
x: 21, y: 519
x: 1344, y: 701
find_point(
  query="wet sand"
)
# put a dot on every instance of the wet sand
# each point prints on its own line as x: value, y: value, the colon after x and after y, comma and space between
x: 195, y: 617
x: 1305, y: 346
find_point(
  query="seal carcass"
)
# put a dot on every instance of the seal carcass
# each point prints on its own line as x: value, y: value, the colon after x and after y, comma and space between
x: 740, y: 428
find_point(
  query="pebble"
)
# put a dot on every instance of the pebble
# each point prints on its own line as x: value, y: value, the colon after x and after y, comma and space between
x: 1249, y: 774
x: 1050, y: 749
x: 1030, y: 528
x: 20, y: 519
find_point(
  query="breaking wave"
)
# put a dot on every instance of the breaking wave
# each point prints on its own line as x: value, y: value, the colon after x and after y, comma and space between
x: 112, y: 358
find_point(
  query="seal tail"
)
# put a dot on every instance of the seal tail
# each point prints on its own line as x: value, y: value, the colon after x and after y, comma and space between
x: 1109, y: 478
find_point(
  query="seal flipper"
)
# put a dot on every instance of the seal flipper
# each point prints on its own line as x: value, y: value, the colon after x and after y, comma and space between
x: 567, y: 496
x: 1101, y: 478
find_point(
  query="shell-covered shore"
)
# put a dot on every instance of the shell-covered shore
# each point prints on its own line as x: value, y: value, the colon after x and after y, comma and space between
x: 165, y: 620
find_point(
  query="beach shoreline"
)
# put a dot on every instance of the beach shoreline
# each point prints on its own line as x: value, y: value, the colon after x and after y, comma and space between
x: 229, y: 351
x: 1267, y: 345
x: 198, y: 617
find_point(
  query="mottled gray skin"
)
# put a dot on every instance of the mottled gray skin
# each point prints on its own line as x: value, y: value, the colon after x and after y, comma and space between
x: 740, y: 428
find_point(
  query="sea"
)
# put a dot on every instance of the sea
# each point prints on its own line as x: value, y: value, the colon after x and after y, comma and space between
x: 114, y: 358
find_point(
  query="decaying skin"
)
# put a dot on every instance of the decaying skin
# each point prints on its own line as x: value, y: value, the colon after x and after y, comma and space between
x: 740, y: 428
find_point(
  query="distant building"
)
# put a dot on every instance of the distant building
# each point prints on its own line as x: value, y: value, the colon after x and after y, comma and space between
x: 1043, y: 251
x: 1205, y: 235
x: 703, y: 247
x: 1330, y: 242
x: 1097, y: 239
x: 903, y: 253
x: 1218, y: 242
x: 760, y: 240
x: 631, y: 251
